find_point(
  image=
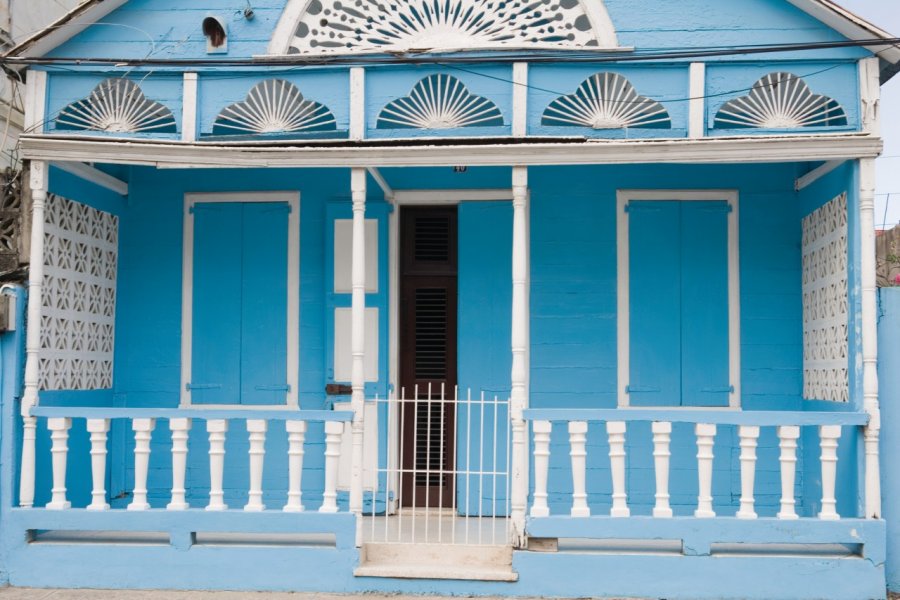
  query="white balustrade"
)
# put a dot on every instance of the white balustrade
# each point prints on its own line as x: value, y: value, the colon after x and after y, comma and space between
x: 296, y: 431
x: 662, y: 437
x: 216, y: 429
x: 59, y: 435
x: 542, y: 430
x: 98, y: 428
x: 706, y: 436
x: 616, y: 432
x: 143, y: 430
x: 828, y: 438
x: 256, y: 430
x: 578, y: 453
x: 333, y: 432
x: 787, y: 442
x: 180, y: 429
x: 748, y: 435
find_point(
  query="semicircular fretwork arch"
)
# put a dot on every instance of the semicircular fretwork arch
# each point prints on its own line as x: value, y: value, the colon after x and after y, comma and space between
x: 274, y: 106
x: 117, y: 105
x: 439, y: 102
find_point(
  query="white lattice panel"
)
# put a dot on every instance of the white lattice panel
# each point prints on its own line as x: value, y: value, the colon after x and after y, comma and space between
x: 79, y: 296
x: 825, y: 303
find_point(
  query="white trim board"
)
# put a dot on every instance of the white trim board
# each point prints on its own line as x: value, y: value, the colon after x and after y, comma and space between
x: 623, y: 334
x: 450, y: 196
x: 293, y: 289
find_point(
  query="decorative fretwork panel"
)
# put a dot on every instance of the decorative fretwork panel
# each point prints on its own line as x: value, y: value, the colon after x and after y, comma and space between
x: 780, y: 101
x: 274, y: 106
x: 440, y: 102
x: 606, y: 101
x: 79, y: 296
x: 117, y: 106
x: 10, y: 219
x: 328, y: 26
x: 825, y: 303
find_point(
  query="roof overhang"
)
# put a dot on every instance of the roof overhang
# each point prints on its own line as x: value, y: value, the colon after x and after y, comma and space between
x: 65, y: 28
x: 429, y: 153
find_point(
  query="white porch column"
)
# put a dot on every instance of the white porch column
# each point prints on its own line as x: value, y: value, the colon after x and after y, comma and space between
x: 519, y: 389
x: 869, y: 335
x: 39, y: 183
x: 358, y: 342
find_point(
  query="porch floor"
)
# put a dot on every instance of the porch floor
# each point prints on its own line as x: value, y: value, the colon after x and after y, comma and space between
x: 11, y: 593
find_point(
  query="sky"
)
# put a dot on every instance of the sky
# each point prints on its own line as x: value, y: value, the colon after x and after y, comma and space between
x: 885, y: 14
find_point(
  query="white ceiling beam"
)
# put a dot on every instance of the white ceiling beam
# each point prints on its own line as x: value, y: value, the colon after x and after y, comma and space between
x: 382, y: 183
x: 93, y: 175
x: 816, y: 174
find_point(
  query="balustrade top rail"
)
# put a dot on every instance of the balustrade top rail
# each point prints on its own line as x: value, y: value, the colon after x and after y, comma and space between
x: 711, y: 417
x: 209, y: 414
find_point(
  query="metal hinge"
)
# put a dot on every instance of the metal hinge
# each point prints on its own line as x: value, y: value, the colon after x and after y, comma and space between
x: 202, y: 386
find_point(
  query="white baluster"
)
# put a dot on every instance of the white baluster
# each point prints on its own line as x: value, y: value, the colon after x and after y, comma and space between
x: 706, y: 435
x: 578, y: 452
x: 748, y: 435
x: 296, y: 431
x: 143, y: 429
x: 787, y: 442
x: 59, y: 434
x: 616, y: 432
x: 662, y: 437
x: 98, y: 428
x: 542, y: 430
x: 179, y: 428
x: 333, y: 432
x: 216, y: 428
x: 26, y: 480
x: 256, y: 430
x: 828, y: 436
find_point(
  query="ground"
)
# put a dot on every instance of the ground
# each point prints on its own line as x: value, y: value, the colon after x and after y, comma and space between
x: 10, y: 593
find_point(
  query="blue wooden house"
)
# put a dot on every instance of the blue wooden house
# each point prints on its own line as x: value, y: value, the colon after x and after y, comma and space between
x: 548, y: 297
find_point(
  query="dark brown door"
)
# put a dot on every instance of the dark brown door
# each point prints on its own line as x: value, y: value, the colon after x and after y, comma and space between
x: 428, y: 270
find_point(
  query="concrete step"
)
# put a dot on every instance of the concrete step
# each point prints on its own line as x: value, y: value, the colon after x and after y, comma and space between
x: 436, y: 561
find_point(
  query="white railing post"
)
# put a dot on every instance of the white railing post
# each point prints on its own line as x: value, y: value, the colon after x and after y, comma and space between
x: 519, y: 375
x: 216, y: 429
x: 578, y: 453
x: 358, y: 343
x: 98, y: 428
x: 39, y: 183
x: 59, y: 434
x: 180, y: 429
x: 143, y: 430
x: 256, y: 432
x: 296, y: 431
x: 748, y: 435
x: 616, y: 432
x: 828, y: 438
x: 662, y: 437
x: 333, y: 432
x: 542, y: 430
x: 706, y: 435
x: 787, y: 442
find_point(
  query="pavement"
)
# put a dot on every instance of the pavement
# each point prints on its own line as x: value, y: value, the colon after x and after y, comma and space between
x: 11, y: 593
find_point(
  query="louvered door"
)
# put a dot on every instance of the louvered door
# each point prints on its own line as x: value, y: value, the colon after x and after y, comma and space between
x: 428, y: 303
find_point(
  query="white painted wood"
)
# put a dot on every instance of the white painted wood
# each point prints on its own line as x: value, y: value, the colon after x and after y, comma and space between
x: 749, y: 436
x: 98, y: 428
x: 870, y: 94
x: 26, y: 477
x: 287, y: 26
x: 293, y: 290
x: 816, y: 174
x: 358, y: 342
x: 602, y: 24
x: 333, y: 432
x: 370, y: 449
x: 787, y: 442
x: 697, y: 108
x: 542, y: 430
x: 180, y: 429
x: 616, y: 432
x: 296, y: 431
x: 623, y: 317
x: 520, y: 99
x: 662, y: 437
x: 95, y: 176
x: 828, y: 439
x: 35, y: 101
x: 343, y: 338
x: 216, y: 429
x: 357, y: 103
x: 65, y: 28
x: 189, y: 108
x: 519, y: 374
x: 450, y: 197
x: 578, y: 454
x: 256, y: 432
x: 869, y: 301
x: 706, y: 435
x: 59, y: 435
x: 143, y: 430
x: 382, y: 183
x: 343, y: 247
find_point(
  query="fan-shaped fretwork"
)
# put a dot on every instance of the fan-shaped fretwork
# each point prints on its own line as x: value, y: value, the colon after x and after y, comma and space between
x: 606, y: 101
x: 117, y: 106
x: 440, y: 102
x: 329, y: 26
x: 780, y: 101
x: 274, y: 106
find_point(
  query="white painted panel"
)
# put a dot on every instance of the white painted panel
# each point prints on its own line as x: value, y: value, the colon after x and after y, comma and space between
x: 342, y: 335
x: 343, y: 264
x: 370, y: 449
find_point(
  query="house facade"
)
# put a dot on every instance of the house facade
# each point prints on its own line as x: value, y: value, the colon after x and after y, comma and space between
x: 566, y: 297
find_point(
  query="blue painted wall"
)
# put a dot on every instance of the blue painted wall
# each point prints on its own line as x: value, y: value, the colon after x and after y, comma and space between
x: 889, y: 391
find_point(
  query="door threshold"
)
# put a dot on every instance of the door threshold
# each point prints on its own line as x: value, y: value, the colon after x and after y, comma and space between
x: 436, y: 561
